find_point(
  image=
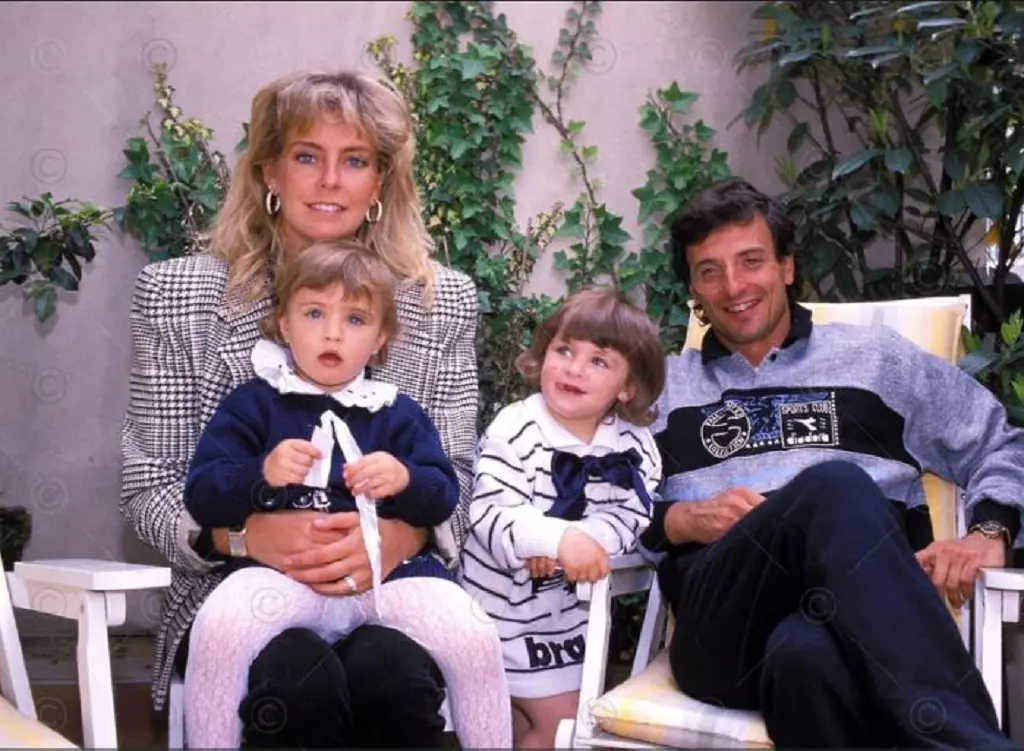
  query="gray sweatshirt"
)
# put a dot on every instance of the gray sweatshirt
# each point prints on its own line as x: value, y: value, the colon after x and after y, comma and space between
x: 863, y: 394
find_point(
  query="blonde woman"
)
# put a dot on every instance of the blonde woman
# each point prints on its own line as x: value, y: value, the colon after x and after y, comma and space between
x: 329, y: 157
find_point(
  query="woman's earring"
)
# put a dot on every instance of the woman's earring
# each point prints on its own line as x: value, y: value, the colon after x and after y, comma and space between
x: 272, y: 203
x: 380, y: 212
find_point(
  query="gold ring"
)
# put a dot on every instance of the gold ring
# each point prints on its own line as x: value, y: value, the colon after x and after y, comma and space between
x: 350, y: 582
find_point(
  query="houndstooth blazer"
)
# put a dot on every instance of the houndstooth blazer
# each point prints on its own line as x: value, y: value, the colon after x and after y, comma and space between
x: 190, y: 348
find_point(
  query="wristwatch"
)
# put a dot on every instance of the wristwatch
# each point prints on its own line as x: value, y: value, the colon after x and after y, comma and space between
x: 236, y: 542
x: 993, y: 530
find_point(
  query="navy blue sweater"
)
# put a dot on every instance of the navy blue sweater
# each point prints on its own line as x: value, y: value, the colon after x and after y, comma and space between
x: 225, y: 483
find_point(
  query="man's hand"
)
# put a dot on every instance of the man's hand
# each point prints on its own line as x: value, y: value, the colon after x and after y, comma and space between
x: 953, y: 565
x: 706, y: 521
x: 377, y: 475
x: 582, y: 557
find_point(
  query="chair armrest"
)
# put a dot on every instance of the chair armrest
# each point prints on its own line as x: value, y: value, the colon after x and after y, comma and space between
x: 1004, y: 579
x: 90, y: 575
x: 60, y: 587
x: 629, y: 573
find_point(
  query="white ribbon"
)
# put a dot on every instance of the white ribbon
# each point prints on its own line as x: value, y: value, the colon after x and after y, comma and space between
x: 332, y: 429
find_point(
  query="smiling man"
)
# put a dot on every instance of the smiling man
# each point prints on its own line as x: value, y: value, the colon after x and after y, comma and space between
x: 793, y: 541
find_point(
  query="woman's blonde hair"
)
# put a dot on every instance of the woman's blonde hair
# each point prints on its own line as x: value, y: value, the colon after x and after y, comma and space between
x: 601, y: 316
x: 360, y: 272
x: 247, y: 237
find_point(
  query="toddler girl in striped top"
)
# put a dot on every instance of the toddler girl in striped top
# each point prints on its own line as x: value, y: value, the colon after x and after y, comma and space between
x: 563, y: 481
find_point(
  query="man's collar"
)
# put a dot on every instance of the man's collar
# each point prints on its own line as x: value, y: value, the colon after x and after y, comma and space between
x: 800, y: 328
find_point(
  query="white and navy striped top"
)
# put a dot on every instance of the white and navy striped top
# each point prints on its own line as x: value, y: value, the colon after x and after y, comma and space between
x: 513, y: 489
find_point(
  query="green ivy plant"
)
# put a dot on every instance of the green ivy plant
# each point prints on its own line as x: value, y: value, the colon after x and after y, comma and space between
x: 597, y: 234
x: 178, y: 180
x: 46, y: 253
x: 685, y: 164
x: 472, y: 103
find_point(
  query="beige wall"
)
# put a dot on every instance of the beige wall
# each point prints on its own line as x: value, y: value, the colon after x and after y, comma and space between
x: 74, y: 85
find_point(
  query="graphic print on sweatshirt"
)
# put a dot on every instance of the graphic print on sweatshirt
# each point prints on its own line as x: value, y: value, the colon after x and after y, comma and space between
x: 754, y: 422
x: 769, y: 421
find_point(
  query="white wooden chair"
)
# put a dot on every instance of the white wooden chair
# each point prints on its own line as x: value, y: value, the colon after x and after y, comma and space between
x: 648, y: 710
x: 997, y: 600
x: 91, y: 592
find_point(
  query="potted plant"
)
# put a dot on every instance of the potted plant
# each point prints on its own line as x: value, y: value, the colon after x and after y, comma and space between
x: 48, y: 254
x: 43, y: 255
x: 15, y: 532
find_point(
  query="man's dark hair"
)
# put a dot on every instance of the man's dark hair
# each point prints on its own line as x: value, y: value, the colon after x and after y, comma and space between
x: 730, y: 201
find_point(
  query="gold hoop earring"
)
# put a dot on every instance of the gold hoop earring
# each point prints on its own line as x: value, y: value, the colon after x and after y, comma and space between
x: 380, y: 212
x: 272, y: 203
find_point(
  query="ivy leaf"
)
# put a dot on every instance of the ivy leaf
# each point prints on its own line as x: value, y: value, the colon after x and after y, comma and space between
x: 898, y: 160
x: 796, y: 56
x: 951, y: 203
x: 1018, y: 388
x: 864, y: 216
x: 44, y: 303
x: 955, y: 164
x: 797, y: 136
x: 974, y: 363
x: 984, y: 199
x: 63, y: 278
x: 471, y: 68
x: 785, y: 94
x: 678, y: 316
x: 1011, y: 329
x: 855, y: 162
x: 886, y: 199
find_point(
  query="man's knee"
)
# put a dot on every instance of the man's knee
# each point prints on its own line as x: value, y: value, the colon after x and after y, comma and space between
x: 837, y: 474
x: 802, y: 650
x: 836, y: 486
x: 297, y: 690
x: 390, y: 668
x: 295, y: 661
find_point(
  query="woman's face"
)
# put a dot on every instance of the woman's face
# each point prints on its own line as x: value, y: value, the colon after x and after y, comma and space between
x: 326, y: 179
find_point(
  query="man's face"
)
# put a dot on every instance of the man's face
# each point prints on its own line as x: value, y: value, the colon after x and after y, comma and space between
x: 740, y: 283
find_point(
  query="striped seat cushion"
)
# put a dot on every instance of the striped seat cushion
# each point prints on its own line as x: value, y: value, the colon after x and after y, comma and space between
x: 650, y: 707
x: 18, y: 731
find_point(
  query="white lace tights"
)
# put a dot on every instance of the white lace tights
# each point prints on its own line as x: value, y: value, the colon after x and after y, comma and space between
x: 253, y: 605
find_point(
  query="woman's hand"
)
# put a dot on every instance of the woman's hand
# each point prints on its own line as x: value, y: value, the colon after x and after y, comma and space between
x: 336, y: 550
x: 271, y: 538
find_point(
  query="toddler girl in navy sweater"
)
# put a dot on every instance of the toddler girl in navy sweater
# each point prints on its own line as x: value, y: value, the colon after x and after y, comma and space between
x: 335, y: 311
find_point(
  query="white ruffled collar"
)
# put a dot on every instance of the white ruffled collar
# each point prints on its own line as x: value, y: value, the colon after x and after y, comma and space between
x: 273, y: 363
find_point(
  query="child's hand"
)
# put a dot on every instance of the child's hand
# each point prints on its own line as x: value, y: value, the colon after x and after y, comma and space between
x: 541, y: 567
x: 582, y: 557
x: 376, y: 475
x: 289, y: 462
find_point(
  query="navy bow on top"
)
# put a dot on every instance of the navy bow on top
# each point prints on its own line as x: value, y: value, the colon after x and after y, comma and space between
x: 570, y: 474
